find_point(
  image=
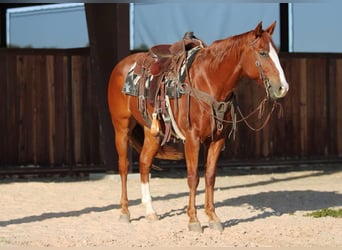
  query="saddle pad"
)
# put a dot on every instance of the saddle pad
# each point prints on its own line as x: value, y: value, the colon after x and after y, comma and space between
x: 131, y: 83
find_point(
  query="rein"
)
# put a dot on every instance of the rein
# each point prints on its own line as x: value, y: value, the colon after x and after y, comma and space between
x: 218, y: 110
x: 261, y: 109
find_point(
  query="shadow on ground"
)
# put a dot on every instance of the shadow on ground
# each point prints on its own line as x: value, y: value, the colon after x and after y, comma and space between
x: 268, y: 203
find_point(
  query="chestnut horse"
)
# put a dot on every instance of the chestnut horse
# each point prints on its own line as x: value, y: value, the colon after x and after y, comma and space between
x: 216, y: 70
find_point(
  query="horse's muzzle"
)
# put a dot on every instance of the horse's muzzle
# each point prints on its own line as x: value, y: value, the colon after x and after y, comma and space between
x: 277, y: 91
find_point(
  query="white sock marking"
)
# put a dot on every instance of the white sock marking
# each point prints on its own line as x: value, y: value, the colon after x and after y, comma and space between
x: 146, y: 198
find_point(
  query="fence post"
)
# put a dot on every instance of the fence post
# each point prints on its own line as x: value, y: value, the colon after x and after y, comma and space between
x: 108, y: 30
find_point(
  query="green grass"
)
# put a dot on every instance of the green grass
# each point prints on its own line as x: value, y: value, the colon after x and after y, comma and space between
x: 4, y: 240
x: 336, y: 213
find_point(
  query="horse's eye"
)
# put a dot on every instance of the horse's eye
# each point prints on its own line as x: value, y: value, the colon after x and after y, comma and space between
x: 263, y: 53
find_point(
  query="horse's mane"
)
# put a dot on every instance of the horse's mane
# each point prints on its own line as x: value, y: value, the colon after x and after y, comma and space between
x: 231, y: 45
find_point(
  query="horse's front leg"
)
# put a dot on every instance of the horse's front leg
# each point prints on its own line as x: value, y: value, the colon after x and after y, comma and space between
x: 191, y: 148
x: 212, y: 154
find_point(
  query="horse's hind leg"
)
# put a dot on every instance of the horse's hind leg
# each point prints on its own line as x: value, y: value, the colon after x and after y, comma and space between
x: 122, y: 131
x: 149, y: 150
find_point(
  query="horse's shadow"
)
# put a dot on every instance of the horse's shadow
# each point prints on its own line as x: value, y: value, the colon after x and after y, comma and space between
x: 272, y: 203
x: 51, y: 215
x: 276, y: 203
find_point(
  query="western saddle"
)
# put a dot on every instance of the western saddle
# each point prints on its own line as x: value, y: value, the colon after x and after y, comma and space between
x: 162, y: 66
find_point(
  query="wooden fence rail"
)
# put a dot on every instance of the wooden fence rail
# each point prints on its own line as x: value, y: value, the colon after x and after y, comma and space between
x: 49, y: 116
x: 48, y: 111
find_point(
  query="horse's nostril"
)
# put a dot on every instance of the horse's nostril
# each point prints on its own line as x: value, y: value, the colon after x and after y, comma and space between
x: 282, y: 90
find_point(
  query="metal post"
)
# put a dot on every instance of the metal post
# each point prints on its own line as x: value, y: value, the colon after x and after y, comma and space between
x: 284, y: 27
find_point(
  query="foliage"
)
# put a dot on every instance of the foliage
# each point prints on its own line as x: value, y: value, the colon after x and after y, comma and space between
x: 337, y: 213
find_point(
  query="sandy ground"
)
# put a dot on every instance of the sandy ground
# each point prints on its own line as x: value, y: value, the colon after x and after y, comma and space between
x: 257, y: 209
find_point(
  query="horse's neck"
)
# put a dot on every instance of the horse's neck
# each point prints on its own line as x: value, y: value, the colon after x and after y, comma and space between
x: 224, y: 69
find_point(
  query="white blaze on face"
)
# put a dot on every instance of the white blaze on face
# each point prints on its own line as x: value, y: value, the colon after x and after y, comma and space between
x: 274, y: 56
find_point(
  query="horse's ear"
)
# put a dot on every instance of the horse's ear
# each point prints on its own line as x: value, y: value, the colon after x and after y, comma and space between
x: 258, y: 29
x: 270, y: 29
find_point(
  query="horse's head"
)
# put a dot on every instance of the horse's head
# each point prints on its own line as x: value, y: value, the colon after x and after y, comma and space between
x: 260, y: 62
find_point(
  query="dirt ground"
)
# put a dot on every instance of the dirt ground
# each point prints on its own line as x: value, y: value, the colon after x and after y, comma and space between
x: 257, y: 208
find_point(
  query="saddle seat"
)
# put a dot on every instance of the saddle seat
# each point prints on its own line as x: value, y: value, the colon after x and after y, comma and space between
x: 162, y: 58
x: 161, y: 51
x: 166, y: 54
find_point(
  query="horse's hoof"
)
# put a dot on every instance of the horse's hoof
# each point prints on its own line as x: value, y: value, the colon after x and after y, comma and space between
x: 125, y: 218
x: 152, y: 217
x: 216, y: 225
x: 195, y: 227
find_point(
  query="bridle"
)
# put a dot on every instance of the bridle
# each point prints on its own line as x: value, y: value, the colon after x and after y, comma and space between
x: 261, y: 107
x: 263, y: 78
x: 262, y: 74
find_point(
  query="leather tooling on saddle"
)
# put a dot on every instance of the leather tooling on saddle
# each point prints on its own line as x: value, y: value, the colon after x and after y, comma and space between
x: 156, y: 76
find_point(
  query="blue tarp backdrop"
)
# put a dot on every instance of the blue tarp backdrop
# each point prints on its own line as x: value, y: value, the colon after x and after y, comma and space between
x: 313, y: 27
x: 167, y: 22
